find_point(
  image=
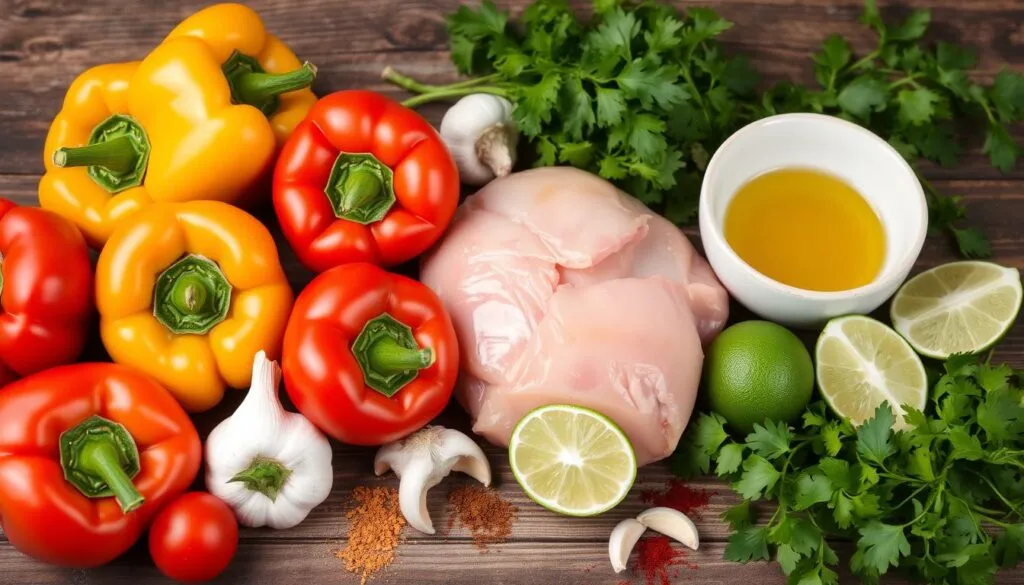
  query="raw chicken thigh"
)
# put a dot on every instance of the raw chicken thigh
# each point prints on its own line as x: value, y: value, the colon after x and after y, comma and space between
x: 564, y: 290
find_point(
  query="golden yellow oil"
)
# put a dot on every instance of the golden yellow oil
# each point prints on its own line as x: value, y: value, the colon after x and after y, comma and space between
x: 807, y: 229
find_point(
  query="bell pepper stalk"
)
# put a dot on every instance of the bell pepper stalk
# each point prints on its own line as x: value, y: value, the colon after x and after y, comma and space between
x: 89, y: 454
x: 363, y: 179
x: 369, y: 356
x: 46, y: 282
x: 189, y: 293
x: 272, y: 467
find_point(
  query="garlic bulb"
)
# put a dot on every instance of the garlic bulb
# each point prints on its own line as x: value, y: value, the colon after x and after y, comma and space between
x: 270, y: 465
x: 482, y: 137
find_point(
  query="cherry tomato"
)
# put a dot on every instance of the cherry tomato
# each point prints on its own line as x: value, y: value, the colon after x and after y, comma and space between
x: 194, y: 538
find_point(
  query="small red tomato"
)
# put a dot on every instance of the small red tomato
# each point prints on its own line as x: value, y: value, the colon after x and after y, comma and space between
x: 194, y: 538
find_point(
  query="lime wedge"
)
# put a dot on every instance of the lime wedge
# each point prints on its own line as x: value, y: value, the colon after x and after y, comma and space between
x: 962, y: 307
x: 861, y: 363
x: 572, y: 460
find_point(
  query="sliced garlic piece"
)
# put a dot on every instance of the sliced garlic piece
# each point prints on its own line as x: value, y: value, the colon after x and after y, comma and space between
x: 621, y: 542
x: 673, y: 524
x: 422, y: 460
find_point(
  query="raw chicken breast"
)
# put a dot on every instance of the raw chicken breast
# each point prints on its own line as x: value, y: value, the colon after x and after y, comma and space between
x: 564, y: 290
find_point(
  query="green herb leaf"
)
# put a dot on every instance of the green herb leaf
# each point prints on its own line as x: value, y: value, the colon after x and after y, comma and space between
x: 882, y: 545
x: 770, y: 440
x: 811, y: 488
x: 739, y: 516
x: 1000, y: 148
x: 747, y: 544
x: 864, y: 95
x: 729, y: 459
x: 758, y: 476
x: 917, y: 106
x: 873, y: 436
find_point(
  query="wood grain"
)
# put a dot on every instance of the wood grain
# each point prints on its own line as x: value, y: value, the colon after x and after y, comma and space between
x: 44, y: 44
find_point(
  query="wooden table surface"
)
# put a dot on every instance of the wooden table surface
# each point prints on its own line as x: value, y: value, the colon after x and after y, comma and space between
x: 44, y: 44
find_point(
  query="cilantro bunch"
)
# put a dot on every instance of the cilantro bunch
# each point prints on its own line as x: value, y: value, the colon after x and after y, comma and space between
x: 942, y: 499
x: 643, y: 94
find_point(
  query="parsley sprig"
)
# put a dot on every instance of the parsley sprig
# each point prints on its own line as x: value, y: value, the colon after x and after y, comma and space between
x: 942, y: 499
x: 643, y: 94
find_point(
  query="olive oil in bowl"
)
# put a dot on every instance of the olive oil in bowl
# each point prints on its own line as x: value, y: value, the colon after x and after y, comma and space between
x: 806, y: 229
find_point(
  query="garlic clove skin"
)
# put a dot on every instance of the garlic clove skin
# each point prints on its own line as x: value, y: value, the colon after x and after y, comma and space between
x: 422, y: 460
x: 481, y: 136
x: 621, y: 542
x: 673, y: 524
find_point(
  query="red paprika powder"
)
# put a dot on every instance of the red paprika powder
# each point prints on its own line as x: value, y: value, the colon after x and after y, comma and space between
x: 678, y: 495
x: 658, y: 561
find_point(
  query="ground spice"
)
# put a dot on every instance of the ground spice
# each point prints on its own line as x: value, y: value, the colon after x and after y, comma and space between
x: 658, y: 562
x: 375, y: 527
x: 483, y: 512
x: 678, y: 495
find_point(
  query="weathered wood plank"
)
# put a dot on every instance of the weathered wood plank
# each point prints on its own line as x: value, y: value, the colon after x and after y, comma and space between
x: 45, y: 43
x: 423, y: 563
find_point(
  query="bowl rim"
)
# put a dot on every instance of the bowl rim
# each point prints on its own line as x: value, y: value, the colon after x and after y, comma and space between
x: 901, y: 266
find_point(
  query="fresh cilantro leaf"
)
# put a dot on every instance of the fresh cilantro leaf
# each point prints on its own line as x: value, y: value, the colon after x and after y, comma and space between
x: 645, y: 135
x: 839, y: 474
x: 1009, y: 547
x: 616, y: 33
x: 729, y: 459
x: 866, y: 505
x: 911, y: 29
x: 770, y: 440
x: 547, y: 152
x: 611, y: 168
x: 649, y: 86
x: 611, y: 105
x: 872, y: 17
x: 920, y: 464
x: 747, y: 544
x: 834, y: 55
x: 576, y: 102
x: 804, y: 537
x: 882, y: 545
x: 811, y: 488
x: 664, y: 35
x: 787, y: 558
x: 758, y: 477
x: 917, y: 106
x: 1001, y: 414
x: 972, y: 243
x: 577, y: 154
x: 965, y: 445
x: 1007, y: 95
x: 535, y: 103
x: 831, y: 436
x: 842, y: 510
x: 706, y: 25
x: 864, y: 95
x: 960, y: 365
x: 739, y: 516
x: 814, y: 416
x: 1000, y: 148
x: 709, y: 433
x: 873, y: 437
x: 992, y: 378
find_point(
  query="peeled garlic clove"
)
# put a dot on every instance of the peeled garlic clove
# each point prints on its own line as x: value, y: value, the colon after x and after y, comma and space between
x: 621, y: 542
x: 673, y: 524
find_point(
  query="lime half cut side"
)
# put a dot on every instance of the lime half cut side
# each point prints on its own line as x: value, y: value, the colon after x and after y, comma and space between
x: 862, y: 363
x: 961, y: 307
x: 572, y: 460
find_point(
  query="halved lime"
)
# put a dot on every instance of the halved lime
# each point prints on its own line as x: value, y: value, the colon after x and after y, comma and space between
x: 572, y: 460
x: 961, y: 307
x: 861, y: 363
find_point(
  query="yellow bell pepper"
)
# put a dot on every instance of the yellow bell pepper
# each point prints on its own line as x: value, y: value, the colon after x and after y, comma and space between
x: 227, y: 28
x: 189, y: 293
x: 96, y: 96
x: 200, y: 118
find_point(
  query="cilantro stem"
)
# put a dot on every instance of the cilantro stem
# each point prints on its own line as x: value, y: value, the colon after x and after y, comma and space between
x: 390, y: 75
x: 910, y: 497
x: 911, y: 79
x: 445, y: 94
x: 996, y: 491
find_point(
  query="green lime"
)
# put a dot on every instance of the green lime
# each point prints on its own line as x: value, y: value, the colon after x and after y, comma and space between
x: 572, y: 460
x: 757, y: 371
x: 961, y: 307
x: 862, y: 363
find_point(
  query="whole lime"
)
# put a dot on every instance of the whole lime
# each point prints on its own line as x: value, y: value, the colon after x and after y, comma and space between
x: 757, y: 371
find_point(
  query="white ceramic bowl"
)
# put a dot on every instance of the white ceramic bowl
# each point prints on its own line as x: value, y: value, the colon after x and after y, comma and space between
x: 834, y: 146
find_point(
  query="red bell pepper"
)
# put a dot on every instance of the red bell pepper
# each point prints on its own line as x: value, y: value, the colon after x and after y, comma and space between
x: 88, y: 454
x: 369, y: 356
x: 363, y: 179
x: 46, y: 282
